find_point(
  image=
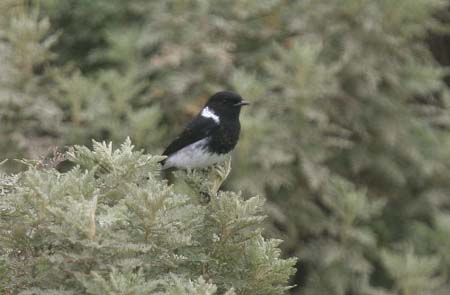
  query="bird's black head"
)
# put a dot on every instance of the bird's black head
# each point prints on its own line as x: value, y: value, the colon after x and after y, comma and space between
x: 226, y: 103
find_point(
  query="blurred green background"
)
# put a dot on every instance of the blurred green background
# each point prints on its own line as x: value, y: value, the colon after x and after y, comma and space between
x: 348, y: 135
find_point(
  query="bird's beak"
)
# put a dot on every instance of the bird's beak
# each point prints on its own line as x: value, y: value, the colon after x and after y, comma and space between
x: 242, y: 103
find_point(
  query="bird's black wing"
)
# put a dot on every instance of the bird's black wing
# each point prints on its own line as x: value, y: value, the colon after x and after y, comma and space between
x: 199, y: 128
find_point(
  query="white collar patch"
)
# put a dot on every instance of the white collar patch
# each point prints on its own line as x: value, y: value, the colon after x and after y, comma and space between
x: 207, y: 113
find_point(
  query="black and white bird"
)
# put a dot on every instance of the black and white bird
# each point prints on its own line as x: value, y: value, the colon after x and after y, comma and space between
x: 210, y: 137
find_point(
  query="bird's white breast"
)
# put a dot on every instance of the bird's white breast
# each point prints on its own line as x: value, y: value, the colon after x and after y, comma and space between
x: 195, y: 155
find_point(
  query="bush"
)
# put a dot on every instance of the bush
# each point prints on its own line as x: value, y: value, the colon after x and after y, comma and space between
x: 111, y: 226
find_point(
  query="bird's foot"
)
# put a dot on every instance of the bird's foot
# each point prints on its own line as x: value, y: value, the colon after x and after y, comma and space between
x: 218, y: 174
x: 206, y: 181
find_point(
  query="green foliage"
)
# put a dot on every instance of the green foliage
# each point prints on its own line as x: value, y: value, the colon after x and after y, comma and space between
x: 347, y: 137
x: 111, y: 226
x: 415, y: 274
x: 370, y: 109
x: 42, y: 104
x: 27, y: 115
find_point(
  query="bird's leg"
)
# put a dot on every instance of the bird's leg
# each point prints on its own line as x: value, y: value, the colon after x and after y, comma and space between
x: 218, y: 174
x: 206, y: 181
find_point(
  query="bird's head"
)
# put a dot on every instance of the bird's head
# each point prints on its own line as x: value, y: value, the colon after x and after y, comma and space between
x: 225, y: 104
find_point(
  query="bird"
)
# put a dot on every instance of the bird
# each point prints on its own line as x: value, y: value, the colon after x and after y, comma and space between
x: 211, y: 135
